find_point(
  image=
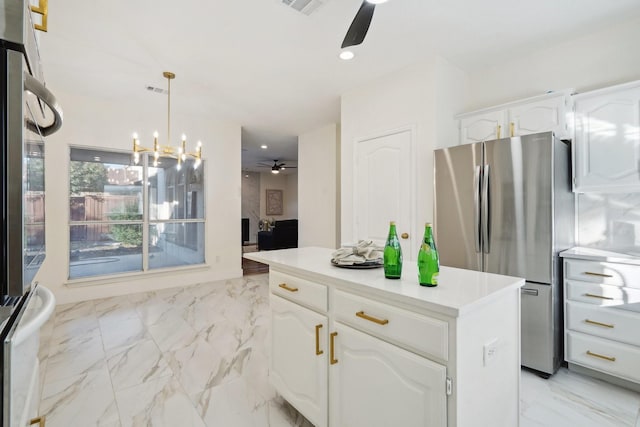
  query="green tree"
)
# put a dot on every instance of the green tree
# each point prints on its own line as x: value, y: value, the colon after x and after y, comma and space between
x: 87, y: 177
x: 128, y: 234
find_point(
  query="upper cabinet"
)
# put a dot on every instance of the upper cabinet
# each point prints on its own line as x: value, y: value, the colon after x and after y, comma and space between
x: 607, y: 140
x: 532, y: 115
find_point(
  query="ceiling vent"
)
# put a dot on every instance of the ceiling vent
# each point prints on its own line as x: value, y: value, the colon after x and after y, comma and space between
x: 304, y: 6
x: 157, y: 89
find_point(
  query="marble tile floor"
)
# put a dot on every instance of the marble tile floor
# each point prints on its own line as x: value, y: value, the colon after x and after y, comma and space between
x: 197, y: 356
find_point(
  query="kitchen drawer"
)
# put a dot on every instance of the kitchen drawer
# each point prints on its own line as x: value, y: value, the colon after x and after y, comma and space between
x: 605, y: 322
x: 603, y: 295
x: 607, y: 273
x: 299, y: 290
x: 593, y: 352
x: 416, y: 332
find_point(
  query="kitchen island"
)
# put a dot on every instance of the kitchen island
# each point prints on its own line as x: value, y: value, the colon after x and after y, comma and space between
x: 351, y: 348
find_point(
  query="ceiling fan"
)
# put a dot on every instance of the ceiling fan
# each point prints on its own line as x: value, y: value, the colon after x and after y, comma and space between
x: 276, y: 167
x: 360, y: 25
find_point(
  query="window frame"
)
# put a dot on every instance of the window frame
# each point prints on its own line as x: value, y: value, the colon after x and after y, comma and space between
x: 145, y: 222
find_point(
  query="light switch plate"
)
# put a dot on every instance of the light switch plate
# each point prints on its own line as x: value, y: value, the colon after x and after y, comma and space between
x: 489, y: 351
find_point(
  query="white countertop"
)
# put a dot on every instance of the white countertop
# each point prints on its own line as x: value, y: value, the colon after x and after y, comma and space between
x: 590, y: 254
x: 458, y: 292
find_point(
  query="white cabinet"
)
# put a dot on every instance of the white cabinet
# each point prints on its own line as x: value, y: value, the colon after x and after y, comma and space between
x: 532, y: 115
x: 602, y: 317
x: 607, y: 139
x: 377, y: 384
x: 350, y: 348
x: 482, y: 126
x: 298, y: 366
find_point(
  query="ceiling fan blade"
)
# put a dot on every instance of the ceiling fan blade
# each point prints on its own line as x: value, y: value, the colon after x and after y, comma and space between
x: 360, y: 25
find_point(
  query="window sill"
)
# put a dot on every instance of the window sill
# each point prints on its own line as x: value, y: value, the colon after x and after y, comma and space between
x: 127, y: 277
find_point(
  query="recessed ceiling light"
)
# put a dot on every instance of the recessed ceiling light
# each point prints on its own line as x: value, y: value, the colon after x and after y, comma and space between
x: 264, y: 147
x: 376, y: 1
x: 346, y: 55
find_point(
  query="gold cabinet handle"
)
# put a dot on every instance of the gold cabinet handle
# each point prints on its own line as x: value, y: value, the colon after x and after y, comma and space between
x: 597, y: 296
x: 604, y: 325
x: 405, y: 235
x: 362, y: 315
x: 287, y: 288
x: 318, y: 351
x: 498, y: 129
x: 512, y: 130
x: 591, y: 273
x: 600, y: 356
x: 40, y: 421
x: 332, y: 357
x: 41, y: 9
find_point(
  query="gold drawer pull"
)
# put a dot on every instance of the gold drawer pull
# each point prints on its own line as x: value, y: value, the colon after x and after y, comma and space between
x: 287, y: 288
x: 597, y: 296
x: 591, y: 273
x: 371, y: 319
x: 318, y: 351
x: 593, y: 322
x: 600, y: 356
x: 41, y: 9
x: 512, y: 130
x: 498, y: 129
x: 333, y: 360
x: 40, y: 421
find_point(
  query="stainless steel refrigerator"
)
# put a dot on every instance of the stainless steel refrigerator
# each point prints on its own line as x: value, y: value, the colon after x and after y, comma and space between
x: 506, y: 207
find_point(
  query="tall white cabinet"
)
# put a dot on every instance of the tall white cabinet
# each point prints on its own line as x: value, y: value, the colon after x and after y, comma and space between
x: 607, y: 139
x: 351, y: 348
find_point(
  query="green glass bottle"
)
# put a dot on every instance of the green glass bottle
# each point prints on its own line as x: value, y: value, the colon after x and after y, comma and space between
x: 428, y: 260
x: 392, y: 254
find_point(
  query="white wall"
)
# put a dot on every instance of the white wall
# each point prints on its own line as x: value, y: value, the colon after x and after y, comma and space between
x: 289, y: 186
x: 251, y: 202
x: 424, y: 97
x: 318, y: 197
x: 603, y: 58
x: 104, y: 124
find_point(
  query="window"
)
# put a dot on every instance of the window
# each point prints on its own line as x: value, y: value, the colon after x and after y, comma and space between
x: 118, y: 224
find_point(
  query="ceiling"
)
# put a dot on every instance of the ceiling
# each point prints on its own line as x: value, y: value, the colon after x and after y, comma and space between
x: 276, y: 71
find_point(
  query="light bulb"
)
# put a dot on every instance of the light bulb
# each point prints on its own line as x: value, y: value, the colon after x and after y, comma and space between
x: 155, y: 134
x: 346, y: 55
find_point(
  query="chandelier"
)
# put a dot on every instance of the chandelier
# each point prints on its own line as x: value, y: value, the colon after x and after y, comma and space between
x: 180, y: 153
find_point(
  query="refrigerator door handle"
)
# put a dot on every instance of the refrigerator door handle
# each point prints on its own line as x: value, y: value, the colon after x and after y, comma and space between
x: 476, y: 208
x: 486, y: 214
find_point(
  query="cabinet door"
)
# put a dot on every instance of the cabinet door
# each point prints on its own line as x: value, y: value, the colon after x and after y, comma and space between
x: 374, y: 383
x: 297, y: 371
x: 607, y: 141
x: 539, y: 116
x: 483, y: 127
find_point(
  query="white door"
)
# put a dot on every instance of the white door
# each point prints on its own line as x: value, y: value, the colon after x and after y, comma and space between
x: 607, y: 141
x: 484, y: 126
x: 376, y: 384
x: 298, y: 365
x: 383, y: 187
x: 539, y: 116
